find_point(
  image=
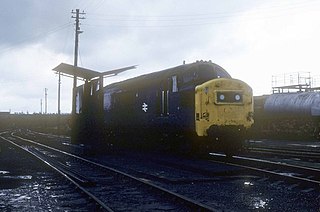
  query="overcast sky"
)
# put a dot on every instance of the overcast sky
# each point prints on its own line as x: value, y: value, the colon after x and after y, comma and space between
x: 251, y: 39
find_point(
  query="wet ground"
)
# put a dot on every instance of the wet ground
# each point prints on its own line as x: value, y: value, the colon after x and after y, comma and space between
x: 309, y: 146
x: 26, y: 187
x: 304, y: 145
x: 30, y: 186
x: 228, y: 189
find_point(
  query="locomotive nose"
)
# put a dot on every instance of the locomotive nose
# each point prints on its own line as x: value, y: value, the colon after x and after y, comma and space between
x: 228, y: 101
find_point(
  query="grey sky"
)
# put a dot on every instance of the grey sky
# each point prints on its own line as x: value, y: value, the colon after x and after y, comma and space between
x: 252, y: 40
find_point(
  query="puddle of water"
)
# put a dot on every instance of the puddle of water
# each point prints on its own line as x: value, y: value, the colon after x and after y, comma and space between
x: 259, y: 203
x: 26, y: 177
x: 247, y: 183
x: 313, y: 146
x: 20, y: 198
x: 294, y: 144
x: 290, y: 174
x: 35, y: 186
x: 217, y: 154
x: 308, y: 145
x: 49, y: 154
x: 256, y: 141
x: 22, y: 177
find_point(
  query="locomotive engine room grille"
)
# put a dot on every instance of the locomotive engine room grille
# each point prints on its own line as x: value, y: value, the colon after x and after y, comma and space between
x: 229, y: 97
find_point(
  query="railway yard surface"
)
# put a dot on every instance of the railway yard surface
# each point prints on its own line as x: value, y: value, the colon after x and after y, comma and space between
x: 269, y: 175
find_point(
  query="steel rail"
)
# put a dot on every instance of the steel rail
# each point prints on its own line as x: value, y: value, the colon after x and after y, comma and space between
x: 98, y: 201
x: 288, y: 152
x: 234, y: 163
x: 174, y: 194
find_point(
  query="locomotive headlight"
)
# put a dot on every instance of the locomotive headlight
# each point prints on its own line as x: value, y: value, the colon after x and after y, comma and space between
x: 229, y: 97
x: 237, y: 97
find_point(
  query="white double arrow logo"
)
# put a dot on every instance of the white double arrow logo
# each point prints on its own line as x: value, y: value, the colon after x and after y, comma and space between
x: 144, y: 107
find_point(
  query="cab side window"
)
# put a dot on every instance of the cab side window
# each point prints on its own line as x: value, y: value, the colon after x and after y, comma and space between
x: 174, y: 84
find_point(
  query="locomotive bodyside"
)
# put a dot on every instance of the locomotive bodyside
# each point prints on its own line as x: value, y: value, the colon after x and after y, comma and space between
x: 161, y: 102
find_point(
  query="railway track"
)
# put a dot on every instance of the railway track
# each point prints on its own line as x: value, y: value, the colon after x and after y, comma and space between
x: 27, y: 185
x: 304, y: 176
x: 219, y: 185
x: 288, y: 152
x: 111, y: 189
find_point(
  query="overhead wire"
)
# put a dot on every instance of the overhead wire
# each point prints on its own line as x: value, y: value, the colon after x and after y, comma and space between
x: 208, y: 15
x: 184, y: 24
x: 168, y: 21
x: 35, y: 36
x: 186, y: 20
x: 191, y: 20
x: 94, y: 6
x: 67, y: 39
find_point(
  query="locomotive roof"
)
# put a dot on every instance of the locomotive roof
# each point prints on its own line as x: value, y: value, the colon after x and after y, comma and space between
x: 156, y: 76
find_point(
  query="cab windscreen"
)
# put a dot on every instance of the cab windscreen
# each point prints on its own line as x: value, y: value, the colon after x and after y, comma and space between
x: 224, y: 97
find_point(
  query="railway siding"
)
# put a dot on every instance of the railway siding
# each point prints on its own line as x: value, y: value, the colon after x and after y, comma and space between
x: 27, y: 185
x: 219, y: 186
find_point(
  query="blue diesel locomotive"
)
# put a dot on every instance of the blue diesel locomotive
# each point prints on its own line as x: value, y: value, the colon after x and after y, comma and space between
x: 197, y: 103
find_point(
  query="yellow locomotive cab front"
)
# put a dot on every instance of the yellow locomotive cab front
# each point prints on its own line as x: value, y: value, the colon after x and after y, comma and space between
x: 223, y: 106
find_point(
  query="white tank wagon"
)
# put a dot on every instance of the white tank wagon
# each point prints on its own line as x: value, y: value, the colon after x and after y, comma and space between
x: 288, y: 115
x: 293, y: 104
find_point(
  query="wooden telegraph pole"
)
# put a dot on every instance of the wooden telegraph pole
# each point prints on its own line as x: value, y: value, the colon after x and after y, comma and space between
x: 76, y: 43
